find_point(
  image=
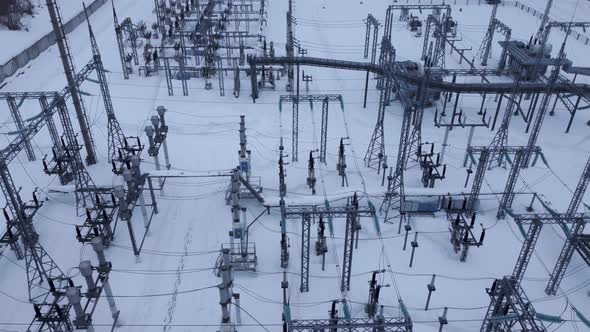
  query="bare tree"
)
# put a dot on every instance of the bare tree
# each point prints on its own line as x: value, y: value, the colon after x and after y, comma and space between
x: 12, y: 12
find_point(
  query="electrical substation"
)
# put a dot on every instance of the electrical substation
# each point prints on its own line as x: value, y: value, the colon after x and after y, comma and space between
x: 291, y: 165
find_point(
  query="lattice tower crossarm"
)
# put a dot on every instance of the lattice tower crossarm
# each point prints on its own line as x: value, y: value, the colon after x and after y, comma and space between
x: 18, y: 120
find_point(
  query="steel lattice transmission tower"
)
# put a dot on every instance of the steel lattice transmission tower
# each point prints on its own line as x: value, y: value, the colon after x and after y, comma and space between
x: 544, y: 20
x: 46, y: 282
x: 485, y: 49
x: 578, y: 228
x: 116, y: 137
x: 376, y: 149
x: 70, y: 71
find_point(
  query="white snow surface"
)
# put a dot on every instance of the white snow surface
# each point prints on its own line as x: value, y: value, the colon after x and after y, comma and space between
x: 35, y: 27
x: 171, y: 286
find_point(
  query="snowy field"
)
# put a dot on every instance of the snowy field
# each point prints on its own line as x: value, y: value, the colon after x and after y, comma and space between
x: 171, y: 286
x: 36, y: 26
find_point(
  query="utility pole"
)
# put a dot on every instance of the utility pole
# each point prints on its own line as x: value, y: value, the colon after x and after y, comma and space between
x: 225, y: 291
x: 70, y: 72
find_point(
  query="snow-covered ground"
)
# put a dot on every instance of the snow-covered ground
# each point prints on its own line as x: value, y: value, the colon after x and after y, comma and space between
x: 35, y: 27
x: 167, y: 288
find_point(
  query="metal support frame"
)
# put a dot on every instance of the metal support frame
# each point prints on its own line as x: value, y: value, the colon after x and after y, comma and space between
x: 70, y: 73
x: 349, y: 233
x: 567, y: 251
x: 371, y: 22
x: 295, y: 100
x: 324, y: 130
x: 305, y: 240
x: 510, y: 309
x: 508, y: 194
x: 116, y: 138
x: 18, y: 120
x: 526, y: 251
x: 485, y: 50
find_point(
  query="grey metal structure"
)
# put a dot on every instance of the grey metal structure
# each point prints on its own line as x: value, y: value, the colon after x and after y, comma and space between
x: 551, y: 81
x: 483, y: 164
x: 18, y: 120
x: 46, y: 282
x: 510, y: 309
x: 352, y: 212
x: 371, y: 22
x: 393, y: 8
x: 376, y: 149
x: 379, y: 323
x: 544, y: 20
x: 70, y: 72
x: 578, y: 228
x: 116, y: 138
x: 486, y: 45
x: 295, y: 100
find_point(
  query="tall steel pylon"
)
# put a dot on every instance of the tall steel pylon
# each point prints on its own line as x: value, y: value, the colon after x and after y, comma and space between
x: 395, y: 188
x: 115, y: 134
x: 510, y: 309
x: 421, y: 96
x: 500, y: 140
x: 376, y: 148
x: 485, y: 50
x: 70, y: 71
x: 46, y: 282
x: 545, y: 102
x: 119, y: 35
x: 84, y: 197
x: 544, y: 20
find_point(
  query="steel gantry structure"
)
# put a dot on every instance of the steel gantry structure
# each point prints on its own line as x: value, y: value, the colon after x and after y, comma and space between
x: 371, y: 22
x: 510, y: 309
x: 352, y: 212
x: 573, y: 234
x: 483, y: 163
x: 376, y: 149
x: 295, y: 100
x: 393, y: 8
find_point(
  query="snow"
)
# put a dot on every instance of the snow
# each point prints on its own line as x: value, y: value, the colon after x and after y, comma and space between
x: 166, y: 289
x: 36, y: 26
